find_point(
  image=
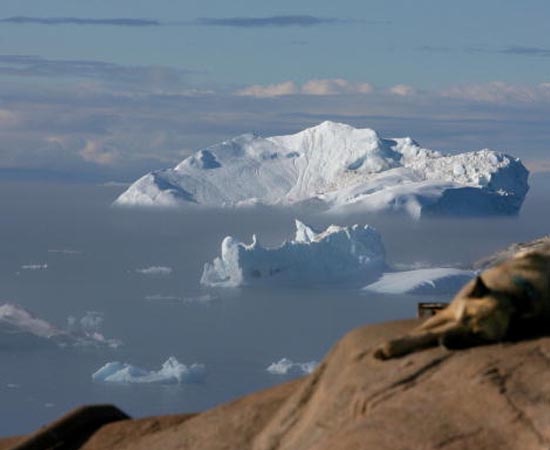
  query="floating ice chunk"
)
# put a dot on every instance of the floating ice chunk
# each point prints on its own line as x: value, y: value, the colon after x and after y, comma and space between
x: 19, y: 326
x: 34, y: 267
x: 287, y: 367
x: 172, y: 371
x: 161, y: 271
x: 337, y: 168
x: 337, y: 255
x: 163, y: 298
x: 64, y: 251
x: 23, y: 321
x: 434, y: 281
x: 88, y: 329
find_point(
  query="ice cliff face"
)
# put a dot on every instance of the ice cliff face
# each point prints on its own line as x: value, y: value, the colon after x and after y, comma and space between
x: 351, y: 255
x: 340, y: 169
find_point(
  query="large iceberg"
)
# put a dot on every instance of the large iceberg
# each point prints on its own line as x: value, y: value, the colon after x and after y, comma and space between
x: 350, y: 255
x: 337, y: 168
x: 172, y: 371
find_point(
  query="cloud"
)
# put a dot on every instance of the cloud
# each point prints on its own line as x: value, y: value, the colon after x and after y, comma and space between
x: 119, y: 22
x: 516, y: 50
x: 237, y: 22
x: 270, y: 90
x: 62, y: 130
x: 96, y: 152
x: 334, y: 87
x: 402, y: 90
x: 36, y: 66
x: 500, y: 92
x: 272, y: 21
x: 8, y: 118
x: 526, y: 51
x: 318, y: 87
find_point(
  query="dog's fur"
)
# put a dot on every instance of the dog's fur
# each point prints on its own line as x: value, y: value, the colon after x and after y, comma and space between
x: 503, y: 302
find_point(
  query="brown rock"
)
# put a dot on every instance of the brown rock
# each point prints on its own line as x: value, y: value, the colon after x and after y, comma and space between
x: 490, y: 397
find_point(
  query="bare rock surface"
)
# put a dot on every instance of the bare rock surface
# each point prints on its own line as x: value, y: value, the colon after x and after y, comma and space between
x: 489, y: 397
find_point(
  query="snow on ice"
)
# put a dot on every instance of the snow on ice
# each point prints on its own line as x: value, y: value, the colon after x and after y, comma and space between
x: 287, y: 367
x: 338, y: 255
x: 339, y: 169
x: 171, y: 372
x: 432, y: 281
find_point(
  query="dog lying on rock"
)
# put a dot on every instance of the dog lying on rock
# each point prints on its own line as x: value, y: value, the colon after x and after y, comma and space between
x: 503, y: 302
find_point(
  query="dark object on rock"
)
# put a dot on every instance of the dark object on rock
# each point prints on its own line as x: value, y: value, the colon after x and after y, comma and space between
x: 73, y: 429
x: 429, y: 309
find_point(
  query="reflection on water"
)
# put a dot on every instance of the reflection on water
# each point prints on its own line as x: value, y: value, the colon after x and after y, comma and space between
x: 96, y: 258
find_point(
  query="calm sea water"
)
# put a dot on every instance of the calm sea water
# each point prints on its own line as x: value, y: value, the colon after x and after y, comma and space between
x: 92, y: 253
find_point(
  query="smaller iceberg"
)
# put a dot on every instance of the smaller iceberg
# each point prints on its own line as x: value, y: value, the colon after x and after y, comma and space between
x: 338, y: 255
x: 432, y: 281
x: 171, y: 372
x: 287, y: 367
x: 21, y: 328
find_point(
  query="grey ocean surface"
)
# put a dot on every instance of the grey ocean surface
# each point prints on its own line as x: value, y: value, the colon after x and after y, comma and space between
x: 92, y: 252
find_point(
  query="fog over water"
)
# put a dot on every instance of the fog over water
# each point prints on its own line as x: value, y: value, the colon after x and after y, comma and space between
x: 82, y: 255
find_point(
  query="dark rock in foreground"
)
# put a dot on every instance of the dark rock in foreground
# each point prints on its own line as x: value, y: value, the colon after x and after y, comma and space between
x: 490, y: 397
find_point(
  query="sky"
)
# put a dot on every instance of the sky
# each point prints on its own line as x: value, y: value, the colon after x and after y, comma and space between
x: 108, y: 90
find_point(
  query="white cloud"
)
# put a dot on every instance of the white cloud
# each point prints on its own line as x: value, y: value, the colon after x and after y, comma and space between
x: 8, y: 118
x: 500, y: 92
x: 403, y: 90
x: 270, y: 90
x: 328, y: 86
x: 334, y: 87
x: 96, y: 152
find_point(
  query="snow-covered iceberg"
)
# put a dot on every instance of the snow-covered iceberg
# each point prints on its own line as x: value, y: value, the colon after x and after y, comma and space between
x: 432, y: 281
x: 337, y: 168
x: 172, y: 371
x: 20, y: 328
x: 349, y: 255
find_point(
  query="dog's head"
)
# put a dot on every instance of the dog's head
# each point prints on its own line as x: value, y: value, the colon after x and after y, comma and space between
x: 521, y: 299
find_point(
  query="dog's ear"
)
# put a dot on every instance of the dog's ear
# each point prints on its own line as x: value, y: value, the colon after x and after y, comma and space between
x: 480, y: 289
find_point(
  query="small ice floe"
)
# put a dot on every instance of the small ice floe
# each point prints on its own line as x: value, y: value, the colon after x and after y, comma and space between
x: 171, y: 372
x: 19, y: 326
x: 155, y: 271
x: 34, y: 267
x: 64, y: 251
x: 433, y: 281
x: 287, y: 367
x: 87, y: 330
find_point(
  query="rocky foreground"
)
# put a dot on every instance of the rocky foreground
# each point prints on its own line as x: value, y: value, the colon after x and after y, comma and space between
x: 490, y: 397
